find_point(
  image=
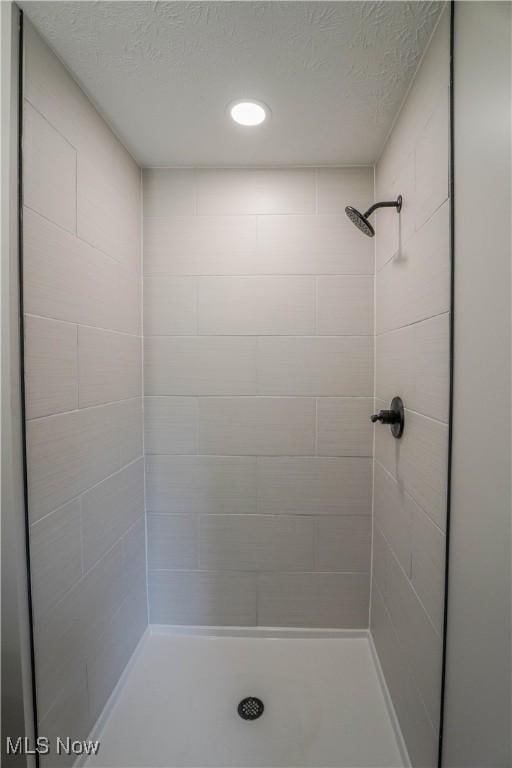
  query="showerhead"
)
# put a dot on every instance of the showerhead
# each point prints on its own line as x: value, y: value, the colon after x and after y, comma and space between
x: 361, y: 222
x: 361, y: 219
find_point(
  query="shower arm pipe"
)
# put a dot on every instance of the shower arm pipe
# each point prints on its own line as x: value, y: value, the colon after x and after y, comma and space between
x: 387, y: 204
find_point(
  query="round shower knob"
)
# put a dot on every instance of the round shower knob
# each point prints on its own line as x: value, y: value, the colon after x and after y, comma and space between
x: 394, y: 416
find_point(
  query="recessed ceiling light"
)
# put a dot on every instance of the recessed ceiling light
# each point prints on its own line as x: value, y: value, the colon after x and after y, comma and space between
x: 248, y: 112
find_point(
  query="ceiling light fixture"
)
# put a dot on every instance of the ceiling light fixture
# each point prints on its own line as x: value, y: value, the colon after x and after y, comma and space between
x: 248, y: 112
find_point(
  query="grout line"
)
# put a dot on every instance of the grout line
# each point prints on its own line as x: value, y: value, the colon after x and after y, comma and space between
x: 85, y: 408
x: 413, y: 323
x: 252, y: 275
x: 143, y: 387
x: 132, y: 272
x: 259, y: 335
x: 83, y: 325
x: 411, y: 585
x: 407, y: 493
x: 316, y: 426
x: 374, y: 374
x: 261, y: 456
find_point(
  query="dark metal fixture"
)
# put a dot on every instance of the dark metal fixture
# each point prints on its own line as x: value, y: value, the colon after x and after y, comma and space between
x: 250, y: 708
x: 361, y: 219
x: 394, y: 417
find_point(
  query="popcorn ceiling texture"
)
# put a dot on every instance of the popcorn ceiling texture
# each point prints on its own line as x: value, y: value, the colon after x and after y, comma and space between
x: 334, y: 74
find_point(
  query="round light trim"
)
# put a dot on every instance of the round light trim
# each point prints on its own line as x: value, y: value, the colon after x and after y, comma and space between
x: 248, y: 112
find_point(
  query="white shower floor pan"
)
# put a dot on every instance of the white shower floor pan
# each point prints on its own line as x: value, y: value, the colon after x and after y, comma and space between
x: 176, y: 705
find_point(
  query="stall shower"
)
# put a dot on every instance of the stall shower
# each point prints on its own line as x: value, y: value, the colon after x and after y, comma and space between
x: 218, y: 508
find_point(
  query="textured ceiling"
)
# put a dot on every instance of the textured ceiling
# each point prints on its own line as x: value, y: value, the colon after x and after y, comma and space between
x: 333, y: 73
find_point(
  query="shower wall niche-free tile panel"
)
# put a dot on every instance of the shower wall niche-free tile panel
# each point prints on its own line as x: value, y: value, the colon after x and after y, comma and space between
x: 83, y: 361
x: 258, y: 380
x: 412, y: 360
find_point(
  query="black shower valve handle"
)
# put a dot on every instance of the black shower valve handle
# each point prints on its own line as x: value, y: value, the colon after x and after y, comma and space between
x: 386, y: 417
x: 394, y: 416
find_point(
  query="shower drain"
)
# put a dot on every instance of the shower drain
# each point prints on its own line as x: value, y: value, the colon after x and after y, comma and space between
x: 250, y: 708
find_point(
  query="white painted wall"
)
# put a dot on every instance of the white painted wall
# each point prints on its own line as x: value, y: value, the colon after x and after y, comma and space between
x: 477, y: 725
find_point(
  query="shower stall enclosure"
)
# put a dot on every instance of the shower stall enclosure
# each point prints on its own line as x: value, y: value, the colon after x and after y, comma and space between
x: 236, y: 532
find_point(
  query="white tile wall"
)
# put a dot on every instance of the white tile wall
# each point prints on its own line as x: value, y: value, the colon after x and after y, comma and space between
x: 67, y: 279
x: 256, y: 543
x: 110, y: 366
x: 314, y: 485
x: 203, y: 597
x: 412, y: 360
x: 82, y: 289
x: 313, y: 599
x: 51, y: 366
x: 201, y: 484
x: 257, y: 426
x: 170, y: 305
x: 344, y: 427
x: 49, y: 184
x: 170, y: 425
x: 196, y: 365
x: 315, y: 366
x: 344, y: 543
x: 55, y: 556
x: 258, y: 307
x: 109, y: 509
x: 254, y: 191
x: 345, y: 305
x: 173, y: 541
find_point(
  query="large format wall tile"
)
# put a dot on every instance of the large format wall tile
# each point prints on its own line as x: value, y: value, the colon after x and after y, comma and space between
x: 257, y: 426
x: 51, y: 371
x: 196, y: 365
x: 415, y: 362
x: 323, y: 244
x: 420, y: 736
x: 241, y: 191
x: 170, y: 305
x: 419, y: 462
x: 256, y: 305
x: 68, y: 453
x: 339, y: 187
x: 170, y: 425
x: 109, y: 211
x: 344, y: 543
x: 49, y: 163
x: 328, y: 366
x: 345, y: 305
x: 109, y: 509
x: 314, y: 486
x: 203, y: 597
x: 419, y: 274
x: 67, y: 279
x: 200, y: 245
x: 201, y: 484
x: 258, y: 353
x: 412, y: 359
x: 168, y: 194
x: 82, y: 297
x: 110, y: 366
x: 256, y: 543
x: 313, y: 599
x: 55, y: 556
x: 344, y: 427
x: 173, y: 542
